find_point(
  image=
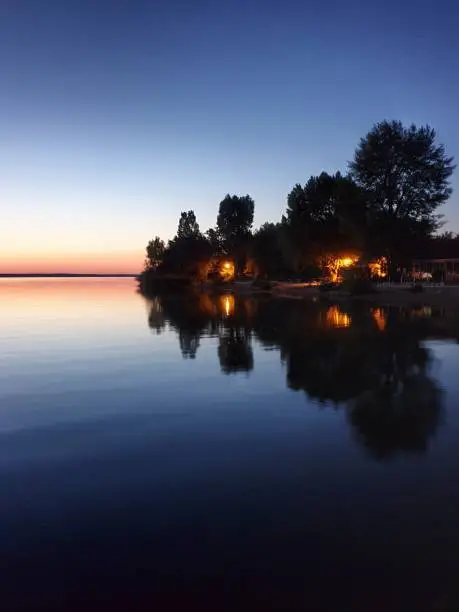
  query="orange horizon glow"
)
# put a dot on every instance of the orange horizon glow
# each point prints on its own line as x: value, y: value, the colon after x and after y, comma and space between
x: 127, y: 262
x: 56, y: 298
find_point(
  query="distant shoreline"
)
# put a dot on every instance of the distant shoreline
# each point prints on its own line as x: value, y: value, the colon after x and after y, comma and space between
x: 67, y: 275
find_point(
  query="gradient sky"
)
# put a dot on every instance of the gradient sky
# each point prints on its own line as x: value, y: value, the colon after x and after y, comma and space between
x: 117, y: 115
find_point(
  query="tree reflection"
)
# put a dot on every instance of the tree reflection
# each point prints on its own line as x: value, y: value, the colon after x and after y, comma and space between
x: 189, y: 343
x: 378, y: 372
x: 235, y: 351
x: 400, y: 408
x: 392, y: 419
x: 197, y: 315
x: 156, y: 316
x: 369, y: 361
x: 190, y: 319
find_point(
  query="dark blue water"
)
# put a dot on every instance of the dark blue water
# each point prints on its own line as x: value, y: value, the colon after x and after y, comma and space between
x: 224, y: 454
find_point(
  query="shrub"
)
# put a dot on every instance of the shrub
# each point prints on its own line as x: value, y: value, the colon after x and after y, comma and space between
x: 152, y: 283
x: 261, y: 283
x: 328, y: 286
x: 359, y: 286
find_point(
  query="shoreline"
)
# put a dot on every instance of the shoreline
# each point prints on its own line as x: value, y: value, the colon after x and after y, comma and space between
x: 446, y: 296
x: 438, y: 296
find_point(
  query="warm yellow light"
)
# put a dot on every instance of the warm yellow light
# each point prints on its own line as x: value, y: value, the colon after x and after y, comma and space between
x: 337, y: 318
x: 228, y: 305
x: 380, y: 318
x: 227, y: 270
x: 336, y: 263
x: 378, y: 268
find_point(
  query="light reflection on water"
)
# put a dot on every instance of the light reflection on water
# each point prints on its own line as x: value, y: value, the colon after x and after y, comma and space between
x: 213, y: 450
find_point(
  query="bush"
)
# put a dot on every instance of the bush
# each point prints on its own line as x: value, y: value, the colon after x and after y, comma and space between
x: 151, y: 283
x: 328, y: 286
x: 261, y: 283
x: 309, y: 273
x: 359, y: 286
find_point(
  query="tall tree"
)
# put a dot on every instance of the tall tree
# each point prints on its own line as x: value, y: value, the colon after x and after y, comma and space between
x: 155, y: 253
x: 213, y: 236
x: 188, y: 227
x: 189, y: 252
x: 234, y: 223
x: 267, y: 250
x: 405, y: 174
x: 235, y: 219
x: 327, y: 215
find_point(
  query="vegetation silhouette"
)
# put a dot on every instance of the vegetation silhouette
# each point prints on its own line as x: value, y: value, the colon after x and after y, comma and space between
x: 154, y: 253
x: 234, y: 225
x: 156, y: 317
x: 368, y: 361
x: 235, y: 351
x: 384, y: 209
x: 327, y: 216
x: 405, y: 176
x: 398, y: 416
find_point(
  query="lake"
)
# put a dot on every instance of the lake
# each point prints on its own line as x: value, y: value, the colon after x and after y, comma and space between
x: 224, y: 453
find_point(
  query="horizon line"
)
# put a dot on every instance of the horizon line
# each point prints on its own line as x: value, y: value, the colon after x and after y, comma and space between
x: 65, y: 274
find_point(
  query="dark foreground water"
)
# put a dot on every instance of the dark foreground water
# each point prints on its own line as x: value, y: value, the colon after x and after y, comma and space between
x: 221, y: 454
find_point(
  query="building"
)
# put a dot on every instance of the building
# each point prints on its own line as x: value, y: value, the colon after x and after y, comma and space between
x: 444, y: 270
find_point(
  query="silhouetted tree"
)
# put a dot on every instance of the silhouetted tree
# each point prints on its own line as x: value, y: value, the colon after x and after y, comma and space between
x: 327, y: 215
x: 155, y: 253
x: 188, y: 256
x: 447, y: 236
x: 443, y: 246
x: 405, y: 175
x: 215, y: 239
x: 267, y: 250
x: 387, y: 205
x: 189, y: 252
x: 188, y: 227
x: 296, y: 252
x: 234, y: 223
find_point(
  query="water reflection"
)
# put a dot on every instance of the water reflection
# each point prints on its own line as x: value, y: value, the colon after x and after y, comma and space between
x: 372, y: 362
x: 397, y: 417
x: 335, y: 317
x: 228, y: 304
x: 156, y: 316
x: 235, y: 351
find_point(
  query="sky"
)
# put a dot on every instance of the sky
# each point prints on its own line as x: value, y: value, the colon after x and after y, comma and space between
x: 117, y: 115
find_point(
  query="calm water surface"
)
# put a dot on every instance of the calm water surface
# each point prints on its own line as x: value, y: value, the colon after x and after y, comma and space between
x: 224, y: 454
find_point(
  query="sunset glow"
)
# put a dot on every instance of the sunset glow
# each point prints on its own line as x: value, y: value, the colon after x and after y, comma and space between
x: 129, y: 262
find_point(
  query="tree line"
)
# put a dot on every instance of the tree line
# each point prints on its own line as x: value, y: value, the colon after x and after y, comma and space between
x: 386, y: 205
